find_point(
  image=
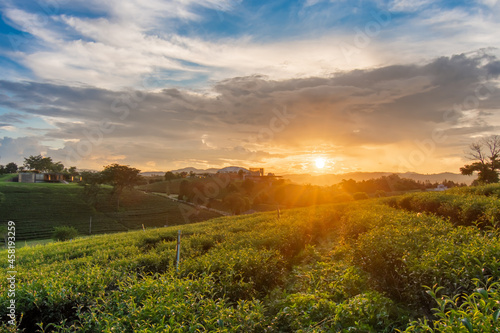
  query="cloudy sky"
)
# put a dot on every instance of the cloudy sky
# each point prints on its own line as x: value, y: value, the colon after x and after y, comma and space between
x: 376, y: 85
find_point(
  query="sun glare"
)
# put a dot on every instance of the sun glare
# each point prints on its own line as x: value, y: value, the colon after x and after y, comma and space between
x: 320, y: 163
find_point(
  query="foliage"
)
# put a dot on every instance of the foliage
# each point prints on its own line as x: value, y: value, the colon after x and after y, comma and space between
x: 353, y: 267
x: 477, y: 311
x: 360, y: 196
x: 492, y: 190
x: 42, y: 164
x: 237, y: 203
x: 64, y: 233
x: 120, y: 177
x: 485, y: 153
x: 461, y: 209
x: 392, y: 183
x: 9, y: 168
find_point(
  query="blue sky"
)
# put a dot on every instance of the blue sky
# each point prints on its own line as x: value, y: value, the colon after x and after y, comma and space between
x: 202, y: 67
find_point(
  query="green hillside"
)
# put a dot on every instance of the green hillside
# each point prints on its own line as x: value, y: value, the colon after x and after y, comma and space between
x: 38, y: 208
x: 356, y: 267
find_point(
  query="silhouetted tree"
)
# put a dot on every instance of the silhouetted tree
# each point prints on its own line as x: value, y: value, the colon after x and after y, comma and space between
x: 120, y: 177
x: 169, y: 175
x: 485, y: 153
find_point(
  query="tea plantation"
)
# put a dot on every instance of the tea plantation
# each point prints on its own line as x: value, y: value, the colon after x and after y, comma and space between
x: 38, y: 208
x: 417, y: 263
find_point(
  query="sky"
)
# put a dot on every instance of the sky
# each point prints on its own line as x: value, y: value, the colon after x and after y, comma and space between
x: 159, y: 85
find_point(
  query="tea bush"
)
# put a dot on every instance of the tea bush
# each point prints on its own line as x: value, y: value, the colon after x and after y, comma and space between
x: 462, y: 209
x: 355, y: 267
x: 478, y: 311
x: 64, y: 233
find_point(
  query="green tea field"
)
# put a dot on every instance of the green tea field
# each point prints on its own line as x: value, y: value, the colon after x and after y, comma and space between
x: 415, y: 263
x: 38, y: 208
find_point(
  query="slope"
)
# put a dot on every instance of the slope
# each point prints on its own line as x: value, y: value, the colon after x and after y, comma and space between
x: 358, y: 267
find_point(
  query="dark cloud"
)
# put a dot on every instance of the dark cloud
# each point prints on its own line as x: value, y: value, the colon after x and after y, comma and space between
x: 248, y: 116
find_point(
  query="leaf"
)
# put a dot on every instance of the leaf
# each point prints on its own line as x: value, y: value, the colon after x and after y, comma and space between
x: 496, y: 314
x: 483, y: 293
x: 467, y: 324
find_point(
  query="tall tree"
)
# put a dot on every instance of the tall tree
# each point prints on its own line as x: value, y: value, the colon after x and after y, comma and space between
x: 42, y: 164
x: 72, y: 171
x: 120, y: 177
x: 11, y: 167
x: 485, y: 154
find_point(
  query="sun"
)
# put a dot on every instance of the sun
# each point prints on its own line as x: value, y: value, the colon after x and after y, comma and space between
x: 320, y: 163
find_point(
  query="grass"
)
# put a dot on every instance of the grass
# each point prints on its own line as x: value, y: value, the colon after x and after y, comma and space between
x: 7, y: 177
x: 354, y: 267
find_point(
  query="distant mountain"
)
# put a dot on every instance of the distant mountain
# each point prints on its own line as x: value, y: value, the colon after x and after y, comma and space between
x: 188, y: 170
x: 231, y: 169
x: 331, y: 179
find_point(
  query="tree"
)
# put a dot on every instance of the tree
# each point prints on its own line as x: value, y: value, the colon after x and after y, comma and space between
x: 485, y: 153
x: 120, y: 177
x: 169, y: 175
x: 42, y: 164
x: 57, y: 167
x: 92, y: 186
x: 237, y: 203
x: 72, y: 171
x: 11, y: 168
x: 248, y: 185
x: 38, y: 163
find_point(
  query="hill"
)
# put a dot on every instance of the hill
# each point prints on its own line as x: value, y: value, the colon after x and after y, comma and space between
x: 188, y: 170
x: 332, y: 179
x: 38, y: 208
x: 356, y: 267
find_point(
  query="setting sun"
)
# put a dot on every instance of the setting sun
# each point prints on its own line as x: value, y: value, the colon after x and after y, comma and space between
x: 320, y: 163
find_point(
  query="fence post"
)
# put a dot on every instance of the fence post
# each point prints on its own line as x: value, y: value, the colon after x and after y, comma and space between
x: 90, y: 226
x: 178, y: 254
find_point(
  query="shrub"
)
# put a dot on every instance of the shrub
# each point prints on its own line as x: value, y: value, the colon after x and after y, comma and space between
x: 64, y: 233
x: 360, y: 196
x: 477, y: 311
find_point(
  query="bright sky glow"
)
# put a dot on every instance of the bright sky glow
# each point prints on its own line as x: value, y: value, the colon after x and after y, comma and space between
x: 320, y: 163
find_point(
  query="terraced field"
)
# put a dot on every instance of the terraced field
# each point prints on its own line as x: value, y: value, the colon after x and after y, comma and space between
x: 380, y: 265
x: 38, y: 208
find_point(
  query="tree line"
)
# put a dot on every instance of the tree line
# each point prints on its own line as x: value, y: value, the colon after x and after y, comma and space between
x: 38, y: 164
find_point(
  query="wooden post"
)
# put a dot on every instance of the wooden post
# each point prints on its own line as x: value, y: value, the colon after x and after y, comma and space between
x: 278, y: 209
x: 178, y: 254
x: 90, y: 226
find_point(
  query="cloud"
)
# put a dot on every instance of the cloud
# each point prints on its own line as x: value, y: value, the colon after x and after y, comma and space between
x: 120, y: 43
x: 255, y: 119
